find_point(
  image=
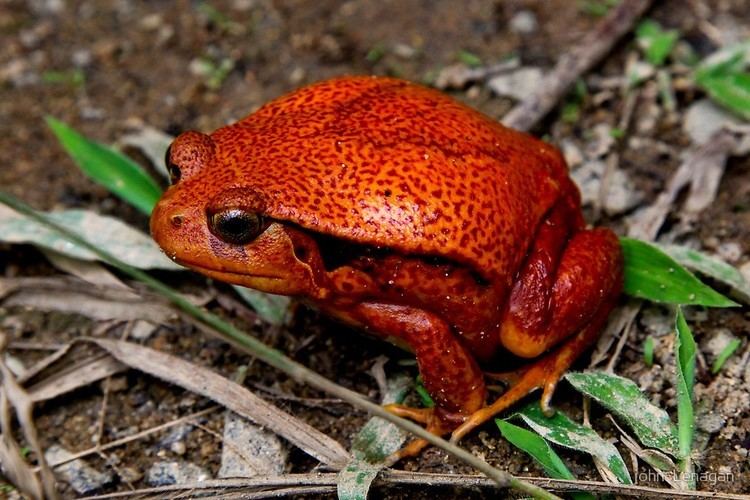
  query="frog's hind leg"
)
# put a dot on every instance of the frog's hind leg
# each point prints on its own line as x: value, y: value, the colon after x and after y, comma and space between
x: 571, y: 312
x: 449, y: 372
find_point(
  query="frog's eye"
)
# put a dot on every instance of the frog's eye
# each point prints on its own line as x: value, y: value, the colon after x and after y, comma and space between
x: 174, y: 170
x: 235, y: 226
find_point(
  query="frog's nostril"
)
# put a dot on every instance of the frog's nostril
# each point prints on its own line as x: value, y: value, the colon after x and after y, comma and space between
x: 176, y: 220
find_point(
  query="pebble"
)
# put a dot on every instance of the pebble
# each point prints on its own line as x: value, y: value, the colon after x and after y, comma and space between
x: 178, y: 434
x: 164, y: 473
x: 716, y: 340
x: 656, y: 320
x: 261, y: 452
x: 703, y: 119
x: 524, y: 23
x: 622, y: 195
x: 83, y: 478
x: 517, y: 84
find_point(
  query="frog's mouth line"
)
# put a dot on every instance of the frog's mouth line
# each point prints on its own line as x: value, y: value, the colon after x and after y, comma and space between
x: 228, y: 276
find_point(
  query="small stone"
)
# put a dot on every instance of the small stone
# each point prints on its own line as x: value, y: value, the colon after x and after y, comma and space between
x: 601, y: 142
x: 716, y: 341
x: 178, y: 448
x: 571, y: 152
x: 711, y: 423
x: 622, y: 195
x: 657, y: 321
x: 261, y: 452
x: 175, y: 472
x: 81, y: 58
x: 730, y: 251
x: 517, y: 84
x: 151, y: 22
x: 704, y: 118
x: 129, y: 474
x: 83, y: 478
x: 179, y: 433
x: 142, y: 329
x: 14, y: 364
x: 524, y: 23
x: 404, y: 51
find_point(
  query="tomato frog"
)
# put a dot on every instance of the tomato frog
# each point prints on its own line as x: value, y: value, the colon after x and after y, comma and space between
x: 403, y: 212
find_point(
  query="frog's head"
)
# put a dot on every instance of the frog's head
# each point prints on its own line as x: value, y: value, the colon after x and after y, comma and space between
x: 210, y: 222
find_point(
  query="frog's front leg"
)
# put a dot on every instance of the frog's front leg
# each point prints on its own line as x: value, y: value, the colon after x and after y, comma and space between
x: 449, y: 372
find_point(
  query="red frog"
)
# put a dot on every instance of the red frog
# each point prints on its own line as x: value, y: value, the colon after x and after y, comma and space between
x: 395, y: 208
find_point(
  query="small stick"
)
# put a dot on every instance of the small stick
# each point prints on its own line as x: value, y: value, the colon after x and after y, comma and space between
x: 592, y: 49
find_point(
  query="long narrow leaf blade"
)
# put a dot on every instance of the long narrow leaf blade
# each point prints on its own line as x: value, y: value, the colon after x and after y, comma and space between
x: 621, y: 396
x: 563, y: 431
x: 651, y: 274
x: 685, y: 353
x: 710, y: 266
x: 272, y: 308
x: 535, y: 446
x: 113, y: 170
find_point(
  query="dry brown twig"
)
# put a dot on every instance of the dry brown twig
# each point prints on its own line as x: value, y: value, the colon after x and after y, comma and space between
x: 585, y: 55
x: 278, y: 486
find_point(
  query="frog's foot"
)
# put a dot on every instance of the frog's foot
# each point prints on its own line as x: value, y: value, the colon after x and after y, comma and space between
x: 429, y: 417
x: 544, y: 373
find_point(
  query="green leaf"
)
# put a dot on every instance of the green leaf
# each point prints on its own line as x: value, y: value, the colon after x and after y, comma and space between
x: 622, y: 397
x: 468, y: 58
x: 685, y: 367
x: 655, y: 42
x: 129, y: 244
x: 712, y: 267
x: 648, y: 351
x: 111, y: 169
x: 424, y: 396
x: 271, y: 308
x: 651, y: 274
x: 724, y: 355
x: 730, y: 91
x: 563, y: 431
x: 724, y: 76
x: 533, y: 444
x: 377, y: 440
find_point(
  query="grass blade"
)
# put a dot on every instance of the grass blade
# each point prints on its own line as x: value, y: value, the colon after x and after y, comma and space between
x: 685, y: 352
x: 111, y: 169
x: 651, y: 274
x: 536, y: 447
x: 710, y: 266
x: 648, y: 351
x: 272, y: 308
x: 724, y: 76
x: 724, y: 355
x: 622, y: 397
x: 377, y: 440
x: 563, y: 431
x: 657, y: 43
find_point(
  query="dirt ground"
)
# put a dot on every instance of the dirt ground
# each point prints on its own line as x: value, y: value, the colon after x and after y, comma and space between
x: 103, y: 65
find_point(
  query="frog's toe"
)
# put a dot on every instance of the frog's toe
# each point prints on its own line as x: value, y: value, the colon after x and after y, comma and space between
x: 421, y: 415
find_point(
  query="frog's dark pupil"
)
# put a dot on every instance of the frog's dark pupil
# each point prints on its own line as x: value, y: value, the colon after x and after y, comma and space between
x: 235, y: 226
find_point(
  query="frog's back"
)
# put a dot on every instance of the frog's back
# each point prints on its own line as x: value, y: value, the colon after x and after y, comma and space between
x: 386, y: 162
